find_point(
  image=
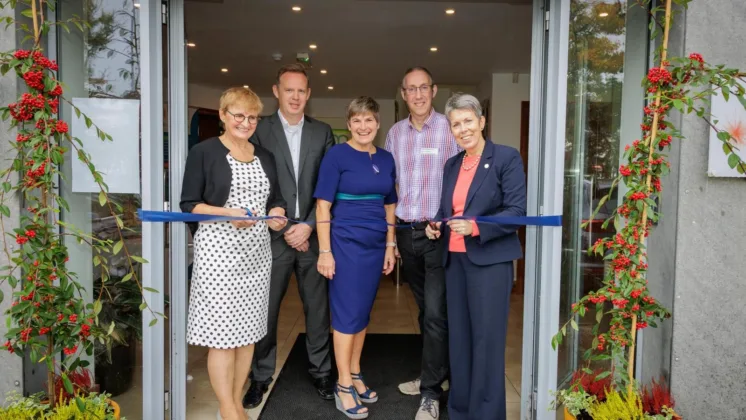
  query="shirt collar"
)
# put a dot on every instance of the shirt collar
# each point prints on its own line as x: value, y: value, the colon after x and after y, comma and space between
x: 427, y: 121
x: 286, y: 124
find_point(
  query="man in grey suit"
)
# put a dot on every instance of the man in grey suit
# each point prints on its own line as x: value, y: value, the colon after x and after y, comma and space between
x: 298, y: 143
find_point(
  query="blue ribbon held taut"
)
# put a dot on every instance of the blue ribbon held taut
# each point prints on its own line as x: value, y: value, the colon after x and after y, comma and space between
x: 152, y: 216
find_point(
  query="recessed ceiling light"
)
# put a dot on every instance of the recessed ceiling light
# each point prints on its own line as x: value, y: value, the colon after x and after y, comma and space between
x: 603, y: 14
x: 433, y: 49
x: 296, y: 8
x: 323, y: 71
x: 191, y: 44
x: 137, y: 5
x: 313, y: 46
x: 224, y: 70
x: 330, y: 87
x: 450, y: 11
x: 246, y: 86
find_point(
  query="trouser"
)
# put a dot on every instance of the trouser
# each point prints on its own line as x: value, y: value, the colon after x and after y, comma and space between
x: 312, y: 287
x: 422, y: 268
x: 478, y: 306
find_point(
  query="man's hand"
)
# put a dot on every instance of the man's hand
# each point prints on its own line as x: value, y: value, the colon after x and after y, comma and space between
x: 303, y: 247
x: 297, y: 235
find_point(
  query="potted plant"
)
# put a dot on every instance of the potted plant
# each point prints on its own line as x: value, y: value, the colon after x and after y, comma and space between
x: 50, y: 316
x: 85, y: 407
x: 657, y: 399
x: 586, y: 388
x: 683, y: 84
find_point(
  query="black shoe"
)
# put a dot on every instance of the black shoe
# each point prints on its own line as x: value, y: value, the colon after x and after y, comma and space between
x: 254, y: 395
x: 325, y: 387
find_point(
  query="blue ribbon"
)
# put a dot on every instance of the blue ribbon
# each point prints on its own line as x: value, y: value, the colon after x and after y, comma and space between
x: 170, y: 217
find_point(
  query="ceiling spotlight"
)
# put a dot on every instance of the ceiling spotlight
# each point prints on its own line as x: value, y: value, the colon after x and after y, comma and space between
x: 137, y: 5
x: 450, y: 11
x: 191, y: 44
x: 296, y: 8
x: 313, y: 46
x: 224, y: 70
x: 433, y: 49
x: 603, y: 14
x: 323, y: 71
x: 330, y: 87
x: 246, y: 86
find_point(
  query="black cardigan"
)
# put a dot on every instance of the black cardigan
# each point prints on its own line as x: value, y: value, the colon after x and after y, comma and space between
x: 208, y: 176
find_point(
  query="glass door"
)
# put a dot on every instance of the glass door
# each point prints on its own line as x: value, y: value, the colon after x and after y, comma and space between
x: 546, y: 151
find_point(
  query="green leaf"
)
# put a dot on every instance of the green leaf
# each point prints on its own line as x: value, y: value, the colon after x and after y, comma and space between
x: 603, y: 375
x: 66, y: 383
x: 102, y: 198
x: 88, y: 122
x: 723, y: 135
x: 143, y: 306
x: 111, y: 329
x: 574, y: 324
x: 150, y: 289
x: 678, y: 104
x: 726, y: 148
x: 97, y: 306
x: 29, y: 14
x: 2, y: 296
x: 139, y: 259
x: 81, y: 405
x: 153, y: 322
x: 599, y: 316
x: 5, y: 210
x: 6, y: 186
x: 733, y: 160
x: 127, y: 277
x: 118, y: 247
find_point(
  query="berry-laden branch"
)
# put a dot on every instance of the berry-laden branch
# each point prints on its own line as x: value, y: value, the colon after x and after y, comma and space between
x: 684, y: 85
x: 49, y: 313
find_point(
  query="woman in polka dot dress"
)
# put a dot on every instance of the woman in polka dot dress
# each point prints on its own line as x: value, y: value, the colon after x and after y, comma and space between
x: 229, y: 176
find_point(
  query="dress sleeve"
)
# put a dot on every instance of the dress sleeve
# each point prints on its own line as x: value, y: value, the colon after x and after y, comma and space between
x: 392, y: 197
x: 329, y: 175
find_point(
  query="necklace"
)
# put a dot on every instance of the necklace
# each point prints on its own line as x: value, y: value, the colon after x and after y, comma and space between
x: 473, y: 165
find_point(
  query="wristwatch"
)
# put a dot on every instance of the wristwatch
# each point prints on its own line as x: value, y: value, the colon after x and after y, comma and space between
x: 392, y: 244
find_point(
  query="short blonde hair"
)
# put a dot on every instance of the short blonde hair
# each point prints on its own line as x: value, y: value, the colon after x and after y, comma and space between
x: 363, y: 105
x: 241, y: 96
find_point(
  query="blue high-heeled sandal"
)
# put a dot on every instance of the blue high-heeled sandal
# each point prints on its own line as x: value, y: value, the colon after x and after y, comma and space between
x: 351, y: 413
x: 365, y: 396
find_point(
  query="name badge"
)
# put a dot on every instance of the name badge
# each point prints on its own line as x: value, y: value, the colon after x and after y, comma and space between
x: 429, y: 151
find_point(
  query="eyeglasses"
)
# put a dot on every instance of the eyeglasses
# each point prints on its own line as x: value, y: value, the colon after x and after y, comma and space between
x: 411, y: 90
x: 253, y: 119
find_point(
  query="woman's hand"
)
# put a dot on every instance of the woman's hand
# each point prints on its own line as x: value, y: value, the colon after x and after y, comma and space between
x: 432, y: 231
x: 326, y: 265
x: 389, y: 260
x: 240, y: 223
x: 280, y: 221
x: 461, y: 226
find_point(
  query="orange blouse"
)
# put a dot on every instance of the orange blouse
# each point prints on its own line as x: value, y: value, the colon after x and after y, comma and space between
x: 460, y: 192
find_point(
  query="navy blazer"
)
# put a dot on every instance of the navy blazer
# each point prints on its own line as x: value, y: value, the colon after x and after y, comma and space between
x: 498, y: 189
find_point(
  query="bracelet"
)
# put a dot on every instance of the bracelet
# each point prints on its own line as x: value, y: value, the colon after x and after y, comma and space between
x: 391, y: 244
x: 325, y: 251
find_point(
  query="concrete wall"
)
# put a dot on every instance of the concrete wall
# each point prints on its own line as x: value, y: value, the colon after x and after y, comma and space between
x: 708, y: 370
x: 11, y: 366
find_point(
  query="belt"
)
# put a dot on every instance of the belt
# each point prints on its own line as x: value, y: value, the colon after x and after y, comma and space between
x: 343, y: 196
x: 414, y: 225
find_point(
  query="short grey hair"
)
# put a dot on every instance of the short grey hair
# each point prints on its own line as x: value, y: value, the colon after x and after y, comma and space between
x: 463, y: 102
x: 362, y: 105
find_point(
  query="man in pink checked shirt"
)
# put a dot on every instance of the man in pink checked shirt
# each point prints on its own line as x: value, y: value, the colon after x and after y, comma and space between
x: 421, y: 145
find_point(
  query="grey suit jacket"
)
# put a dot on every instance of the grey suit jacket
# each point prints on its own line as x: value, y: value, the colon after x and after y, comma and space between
x: 316, y: 140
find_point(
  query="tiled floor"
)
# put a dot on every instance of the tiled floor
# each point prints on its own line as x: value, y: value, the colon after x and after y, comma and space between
x: 394, y: 312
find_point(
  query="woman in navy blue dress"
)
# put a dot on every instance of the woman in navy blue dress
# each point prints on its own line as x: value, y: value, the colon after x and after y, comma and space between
x: 356, y: 191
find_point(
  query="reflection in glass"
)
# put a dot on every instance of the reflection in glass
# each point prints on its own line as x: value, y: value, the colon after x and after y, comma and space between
x: 103, y: 62
x: 595, y: 74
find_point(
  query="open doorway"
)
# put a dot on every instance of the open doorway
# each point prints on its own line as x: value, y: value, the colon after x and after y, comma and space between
x: 354, y: 48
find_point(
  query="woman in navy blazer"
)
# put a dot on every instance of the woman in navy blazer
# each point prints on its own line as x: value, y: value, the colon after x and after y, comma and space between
x: 485, y: 179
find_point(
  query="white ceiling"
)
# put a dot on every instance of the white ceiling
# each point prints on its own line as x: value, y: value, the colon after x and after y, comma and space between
x: 364, y: 44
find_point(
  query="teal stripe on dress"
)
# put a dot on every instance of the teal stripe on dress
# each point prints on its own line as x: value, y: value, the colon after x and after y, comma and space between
x: 343, y: 196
